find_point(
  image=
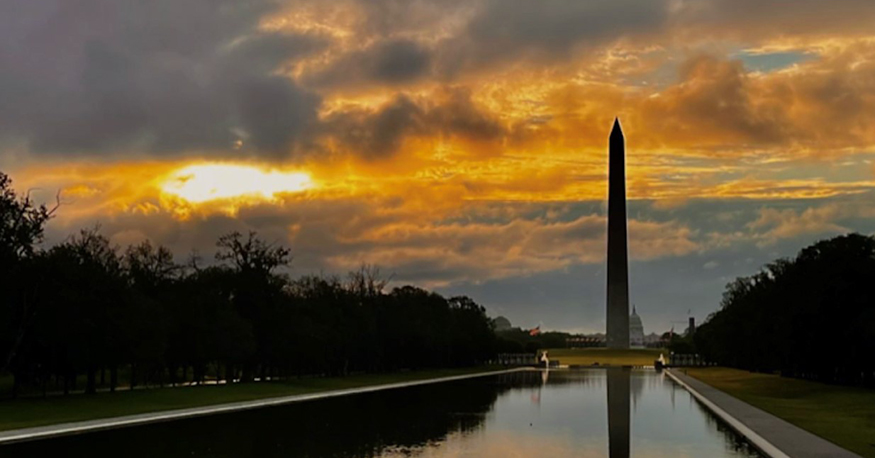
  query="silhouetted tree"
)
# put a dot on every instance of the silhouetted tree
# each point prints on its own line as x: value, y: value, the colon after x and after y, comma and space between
x: 83, y: 307
x: 22, y: 223
x: 812, y: 316
x: 252, y: 254
x: 147, y: 320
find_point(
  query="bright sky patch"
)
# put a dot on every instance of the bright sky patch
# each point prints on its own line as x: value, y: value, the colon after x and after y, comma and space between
x: 769, y: 62
x: 209, y: 182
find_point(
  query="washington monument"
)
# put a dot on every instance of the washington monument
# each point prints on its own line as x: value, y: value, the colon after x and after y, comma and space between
x: 618, y: 256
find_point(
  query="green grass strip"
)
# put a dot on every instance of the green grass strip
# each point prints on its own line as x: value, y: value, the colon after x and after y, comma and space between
x: 605, y: 356
x: 31, y: 412
x: 842, y: 415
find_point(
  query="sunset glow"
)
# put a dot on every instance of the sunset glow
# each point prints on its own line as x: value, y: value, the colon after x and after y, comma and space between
x: 457, y: 145
x: 208, y: 182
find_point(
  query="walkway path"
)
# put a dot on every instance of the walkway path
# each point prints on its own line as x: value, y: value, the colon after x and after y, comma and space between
x: 44, y: 432
x: 772, y: 435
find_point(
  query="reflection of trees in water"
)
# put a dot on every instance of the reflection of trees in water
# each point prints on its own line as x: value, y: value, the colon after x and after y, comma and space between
x: 535, y: 379
x: 586, y: 377
x: 637, y: 382
x: 352, y: 426
x: 732, y: 440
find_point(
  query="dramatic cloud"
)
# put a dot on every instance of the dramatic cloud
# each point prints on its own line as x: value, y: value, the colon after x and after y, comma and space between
x: 746, y: 20
x: 381, y: 131
x: 115, y: 78
x: 820, y: 107
x: 385, y: 62
x: 457, y: 144
x: 554, y: 28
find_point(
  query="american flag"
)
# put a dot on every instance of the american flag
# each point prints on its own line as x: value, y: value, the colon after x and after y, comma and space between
x: 535, y: 331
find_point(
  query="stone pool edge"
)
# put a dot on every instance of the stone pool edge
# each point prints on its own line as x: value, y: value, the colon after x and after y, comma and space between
x: 759, y: 427
x: 80, y: 427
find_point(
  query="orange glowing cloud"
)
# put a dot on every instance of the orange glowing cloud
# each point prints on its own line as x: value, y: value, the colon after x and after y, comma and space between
x: 205, y: 182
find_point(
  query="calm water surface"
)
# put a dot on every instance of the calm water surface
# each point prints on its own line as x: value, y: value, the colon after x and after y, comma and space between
x: 526, y: 414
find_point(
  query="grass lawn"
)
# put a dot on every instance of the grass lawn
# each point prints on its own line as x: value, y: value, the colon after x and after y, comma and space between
x: 842, y: 415
x: 605, y: 356
x: 30, y: 412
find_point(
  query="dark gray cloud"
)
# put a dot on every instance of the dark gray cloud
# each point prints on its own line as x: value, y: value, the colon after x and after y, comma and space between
x: 103, y: 77
x: 385, y: 62
x: 758, y: 19
x: 484, y: 34
x: 546, y: 31
x: 491, y: 32
x: 557, y: 26
x: 376, y: 133
x: 456, y: 115
x: 381, y: 132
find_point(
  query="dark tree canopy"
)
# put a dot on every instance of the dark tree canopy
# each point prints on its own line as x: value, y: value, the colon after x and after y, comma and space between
x: 812, y: 316
x: 21, y: 228
x: 21, y: 223
x: 251, y: 254
x: 149, y: 267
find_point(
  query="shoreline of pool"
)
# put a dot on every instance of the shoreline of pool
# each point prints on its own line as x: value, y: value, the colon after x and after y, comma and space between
x: 772, y: 435
x: 80, y: 427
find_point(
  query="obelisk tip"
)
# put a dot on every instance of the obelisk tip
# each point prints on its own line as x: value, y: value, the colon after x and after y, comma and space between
x: 617, y: 127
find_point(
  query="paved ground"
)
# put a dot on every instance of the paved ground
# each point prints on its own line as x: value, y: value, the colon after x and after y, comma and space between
x: 769, y: 433
x: 44, y: 432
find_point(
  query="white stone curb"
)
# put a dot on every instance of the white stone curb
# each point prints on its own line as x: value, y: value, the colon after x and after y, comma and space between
x: 758, y: 441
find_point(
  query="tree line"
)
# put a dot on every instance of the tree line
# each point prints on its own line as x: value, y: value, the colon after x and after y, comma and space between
x: 518, y: 340
x: 85, y: 309
x: 809, y: 317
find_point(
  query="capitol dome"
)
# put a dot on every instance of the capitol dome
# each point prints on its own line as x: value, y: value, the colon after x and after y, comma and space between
x: 636, y: 330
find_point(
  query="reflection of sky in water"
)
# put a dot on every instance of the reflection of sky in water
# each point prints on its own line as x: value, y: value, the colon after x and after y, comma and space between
x: 568, y: 417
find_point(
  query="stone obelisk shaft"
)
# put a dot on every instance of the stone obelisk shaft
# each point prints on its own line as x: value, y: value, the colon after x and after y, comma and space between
x: 618, y: 260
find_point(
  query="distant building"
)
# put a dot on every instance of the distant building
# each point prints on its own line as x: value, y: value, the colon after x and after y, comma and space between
x: 636, y: 330
x: 653, y: 340
x: 501, y: 324
x: 691, y: 329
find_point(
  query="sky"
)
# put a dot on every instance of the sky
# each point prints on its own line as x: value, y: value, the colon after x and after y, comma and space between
x: 457, y: 145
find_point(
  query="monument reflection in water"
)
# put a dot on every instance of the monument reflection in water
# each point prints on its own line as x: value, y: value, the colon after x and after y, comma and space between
x: 587, y: 413
x: 619, y: 408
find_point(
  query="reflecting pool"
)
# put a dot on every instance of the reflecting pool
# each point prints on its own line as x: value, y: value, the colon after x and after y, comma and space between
x: 613, y: 413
